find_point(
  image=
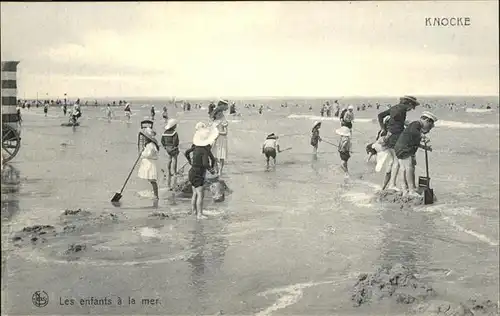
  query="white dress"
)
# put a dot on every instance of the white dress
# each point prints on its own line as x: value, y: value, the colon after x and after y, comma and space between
x: 219, y: 149
x: 147, y: 168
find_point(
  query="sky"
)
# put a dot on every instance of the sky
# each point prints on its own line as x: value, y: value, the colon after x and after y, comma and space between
x: 250, y: 49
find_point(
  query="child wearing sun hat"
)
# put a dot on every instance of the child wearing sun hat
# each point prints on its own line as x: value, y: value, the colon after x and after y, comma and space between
x: 344, y: 147
x: 147, y: 167
x: 270, y: 148
x: 170, y: 141
x: 202, y: 161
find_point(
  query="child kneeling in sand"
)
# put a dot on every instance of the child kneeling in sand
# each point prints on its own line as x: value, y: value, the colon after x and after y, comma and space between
x: 148, y: 169
x: 203, y: 161
x: 270, y: 147
x: 344, y: 147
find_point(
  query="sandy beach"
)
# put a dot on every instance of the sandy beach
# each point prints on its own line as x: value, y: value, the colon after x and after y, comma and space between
x: 292, y: 241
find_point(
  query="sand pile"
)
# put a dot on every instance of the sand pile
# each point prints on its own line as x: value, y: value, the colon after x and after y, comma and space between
x: 73, y: 222
x: 397, y: 283
x: 397, y: 197
x: 34, y: 235
x: 217, y: 188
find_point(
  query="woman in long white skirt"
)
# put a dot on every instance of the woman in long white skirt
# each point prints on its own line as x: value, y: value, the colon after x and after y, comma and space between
x: 148, y: 169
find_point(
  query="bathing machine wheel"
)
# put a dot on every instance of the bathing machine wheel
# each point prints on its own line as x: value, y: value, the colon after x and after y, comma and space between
x: 11, y: 142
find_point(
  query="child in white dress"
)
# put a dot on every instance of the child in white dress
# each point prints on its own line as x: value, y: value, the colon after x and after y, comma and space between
x: 148, y: 169
x: 219, y: 148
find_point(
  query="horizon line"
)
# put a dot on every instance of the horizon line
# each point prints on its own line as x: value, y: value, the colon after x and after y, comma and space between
x: 178, y: 98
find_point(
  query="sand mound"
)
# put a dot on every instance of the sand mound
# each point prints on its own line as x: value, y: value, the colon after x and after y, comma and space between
x: 160, y: 215
x: 396, y: 197
x: 74, y: 251
x: 217, y: 188
x: 469, y: 308
x: 397, y: 283
x: 33, y: 235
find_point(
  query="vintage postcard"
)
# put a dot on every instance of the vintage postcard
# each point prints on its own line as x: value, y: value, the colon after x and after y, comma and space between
x: 250, y: 158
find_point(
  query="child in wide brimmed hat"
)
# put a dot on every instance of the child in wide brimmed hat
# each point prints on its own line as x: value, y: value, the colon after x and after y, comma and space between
x: 407, y: 145
x: 202, y: 161
x: 147, y: 168
x: 170, y: 141
x: 270, y: 148
x: 315, y: 138
x: 344, y: 147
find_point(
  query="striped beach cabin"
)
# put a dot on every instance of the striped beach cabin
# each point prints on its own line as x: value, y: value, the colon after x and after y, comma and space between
x: 9, y: 93
x: 11, y: 128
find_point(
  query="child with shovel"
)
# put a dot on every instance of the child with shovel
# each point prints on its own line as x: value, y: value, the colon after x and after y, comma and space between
x: 147, y: 168
x: 270, y: 148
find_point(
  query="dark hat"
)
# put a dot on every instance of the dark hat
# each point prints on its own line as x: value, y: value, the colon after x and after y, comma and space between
x: 272, y: 136
x: 409, y: 98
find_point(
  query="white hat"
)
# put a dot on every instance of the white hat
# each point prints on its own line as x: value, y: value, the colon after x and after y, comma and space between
x: 170, y: 123
x: 205, y: 136
x: 343, y: 131
x: 350, y: 107
x: 429, y: 115
x: 200, y: 125
x: 316, y: 123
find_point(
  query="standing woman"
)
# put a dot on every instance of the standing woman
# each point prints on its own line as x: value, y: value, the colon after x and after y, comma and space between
x: 219, y: 148
x: 203, y: 161
x: 148, y: 169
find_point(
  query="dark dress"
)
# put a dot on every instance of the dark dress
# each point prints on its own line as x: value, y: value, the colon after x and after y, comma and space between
x: 203, y: 159
x: 315, y: 137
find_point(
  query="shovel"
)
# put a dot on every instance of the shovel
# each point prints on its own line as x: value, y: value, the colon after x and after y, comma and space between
x: 118, y: 195
x: 285, y: 149
x: 424, y: 183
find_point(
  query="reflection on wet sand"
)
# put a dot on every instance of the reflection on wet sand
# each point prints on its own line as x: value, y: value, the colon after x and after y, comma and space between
x: 11, y: 180
x: 407, y: 239
x: 209, y: 246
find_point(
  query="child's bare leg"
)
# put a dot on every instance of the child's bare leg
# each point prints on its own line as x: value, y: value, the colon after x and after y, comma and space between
x: 200, y: 192
x: 267, y: 162
x: 193, y: 201
x: 405, y: 181
x: 174, y: 165
x: 169, y: 174
x: 221, y: 166
x: 174, y: 169
x: 395, y: 172
x: 155, y: 188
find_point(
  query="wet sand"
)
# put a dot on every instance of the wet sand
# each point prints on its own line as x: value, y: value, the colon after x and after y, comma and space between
x: 289, y: 241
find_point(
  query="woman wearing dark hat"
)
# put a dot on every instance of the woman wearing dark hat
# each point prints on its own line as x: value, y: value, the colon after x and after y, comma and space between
x: 219, y: 148
x: 202, y: 161
x: 395, y: 127
x: 147, y: 168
